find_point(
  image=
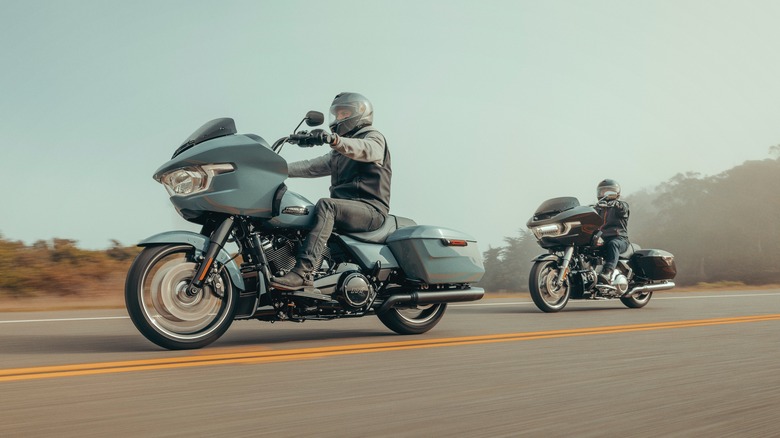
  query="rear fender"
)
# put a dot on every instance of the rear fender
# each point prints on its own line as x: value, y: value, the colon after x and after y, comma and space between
x: 201, y: 244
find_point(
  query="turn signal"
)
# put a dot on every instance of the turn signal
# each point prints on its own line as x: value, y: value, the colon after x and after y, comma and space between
x: 454, y: 242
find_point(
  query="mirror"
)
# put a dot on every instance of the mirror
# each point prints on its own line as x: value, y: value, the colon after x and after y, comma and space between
x: 314, y: 118
x: 610, y: 196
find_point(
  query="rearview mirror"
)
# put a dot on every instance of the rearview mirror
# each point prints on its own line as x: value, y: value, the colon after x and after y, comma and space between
x: 314, y: 118
x: 610, y: 196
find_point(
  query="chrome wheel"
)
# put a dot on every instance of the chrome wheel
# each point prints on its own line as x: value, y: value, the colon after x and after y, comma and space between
x: 162, y: 307
x: 546, y: 293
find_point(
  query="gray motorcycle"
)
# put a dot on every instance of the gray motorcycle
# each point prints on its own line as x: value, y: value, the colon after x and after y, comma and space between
x: 185, y: 289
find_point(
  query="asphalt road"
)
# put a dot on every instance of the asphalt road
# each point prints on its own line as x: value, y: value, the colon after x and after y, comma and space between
x: 689, y: 364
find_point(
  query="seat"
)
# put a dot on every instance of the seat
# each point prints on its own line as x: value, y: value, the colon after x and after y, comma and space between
x: 632, y: 247
x: 379, y: 235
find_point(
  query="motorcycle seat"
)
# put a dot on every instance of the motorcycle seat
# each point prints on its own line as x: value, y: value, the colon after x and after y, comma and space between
x: 379, y: 235
x: 632, y: 247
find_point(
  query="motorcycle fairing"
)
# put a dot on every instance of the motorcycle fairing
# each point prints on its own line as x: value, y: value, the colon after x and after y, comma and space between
x: 261, y: 169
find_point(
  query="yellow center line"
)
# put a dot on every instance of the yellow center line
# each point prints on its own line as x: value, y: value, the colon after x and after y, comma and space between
x: 268, y: 356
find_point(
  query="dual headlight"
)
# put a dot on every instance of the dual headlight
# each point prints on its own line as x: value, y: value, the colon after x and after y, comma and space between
x: 553, y: 230
x: 191, y: 180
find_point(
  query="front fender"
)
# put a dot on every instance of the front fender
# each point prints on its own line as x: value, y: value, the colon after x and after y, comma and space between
x: 201, y: 244
x: 545, y: 257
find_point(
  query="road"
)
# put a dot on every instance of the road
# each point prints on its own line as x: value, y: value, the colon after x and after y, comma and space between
x: 689, y: 364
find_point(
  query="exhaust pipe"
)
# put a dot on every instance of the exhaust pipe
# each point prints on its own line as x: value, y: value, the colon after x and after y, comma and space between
x: 432, y: 297
x: 649, y: 288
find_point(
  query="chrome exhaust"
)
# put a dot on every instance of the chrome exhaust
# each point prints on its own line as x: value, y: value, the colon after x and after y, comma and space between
x: 432, y: 297
x: 649, y: 288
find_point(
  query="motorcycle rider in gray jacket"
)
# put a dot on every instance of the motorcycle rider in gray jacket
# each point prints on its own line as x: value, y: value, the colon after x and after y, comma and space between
x: 360, y: 170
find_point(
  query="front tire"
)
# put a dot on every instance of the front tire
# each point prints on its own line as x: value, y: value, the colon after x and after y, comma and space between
x: 413, y: 321
x: 160, y: 307
x: 547, y: 297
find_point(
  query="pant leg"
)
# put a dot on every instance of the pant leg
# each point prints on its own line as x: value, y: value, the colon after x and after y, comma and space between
x: 344, y: 214
x: 612, y: 250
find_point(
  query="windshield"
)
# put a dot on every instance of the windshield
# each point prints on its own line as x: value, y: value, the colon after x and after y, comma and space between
x: 213, y: 129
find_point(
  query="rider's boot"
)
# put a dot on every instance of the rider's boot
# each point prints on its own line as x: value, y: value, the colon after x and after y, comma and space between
x: 296, y: 279
x: 606, y: 276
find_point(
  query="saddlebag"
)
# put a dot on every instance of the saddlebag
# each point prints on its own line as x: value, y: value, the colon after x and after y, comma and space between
x: 654, y: 264
x: 436, y: 255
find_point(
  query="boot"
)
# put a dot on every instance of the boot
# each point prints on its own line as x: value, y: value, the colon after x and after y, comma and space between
x: 606, y: 276
x: 296, y: 279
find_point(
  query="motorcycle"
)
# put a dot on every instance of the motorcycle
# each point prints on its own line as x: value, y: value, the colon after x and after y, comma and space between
x: 184, y: 289
x: 570, y: 269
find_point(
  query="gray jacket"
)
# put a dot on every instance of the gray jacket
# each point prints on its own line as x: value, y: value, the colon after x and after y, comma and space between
x: 370, y: 149
x: 359, y: 166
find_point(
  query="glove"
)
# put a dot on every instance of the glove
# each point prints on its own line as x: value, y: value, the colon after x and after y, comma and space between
x: 319, y: 137
x: 608, y: 204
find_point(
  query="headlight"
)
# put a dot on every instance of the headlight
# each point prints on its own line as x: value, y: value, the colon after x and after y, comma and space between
x: 192, y: 180
x: 547, y: 230
x: 553, y: 230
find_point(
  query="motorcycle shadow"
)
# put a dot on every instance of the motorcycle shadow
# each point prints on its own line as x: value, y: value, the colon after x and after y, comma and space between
x: 530, y: 308
x: 311, y: 331
x: 74, y: 344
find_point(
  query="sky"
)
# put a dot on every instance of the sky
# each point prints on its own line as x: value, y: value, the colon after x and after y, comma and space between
x: 488, y: 107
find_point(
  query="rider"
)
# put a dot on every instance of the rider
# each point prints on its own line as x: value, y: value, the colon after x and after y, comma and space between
x: 360, y: 173
x: 615, y: 228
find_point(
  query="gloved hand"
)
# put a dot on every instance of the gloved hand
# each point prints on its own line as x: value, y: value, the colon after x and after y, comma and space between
x: 608, y: 204
x: 319, y: 137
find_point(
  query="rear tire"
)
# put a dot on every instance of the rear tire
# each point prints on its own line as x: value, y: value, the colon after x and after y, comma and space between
x: 160, y: 307
x: 413, y: 321
x: 546, y: 296
x: 637, y: 301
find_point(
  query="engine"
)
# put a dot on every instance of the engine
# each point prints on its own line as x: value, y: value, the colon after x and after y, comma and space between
x: 355, y: 290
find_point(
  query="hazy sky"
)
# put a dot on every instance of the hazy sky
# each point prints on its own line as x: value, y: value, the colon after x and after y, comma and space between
x: 489, y: 107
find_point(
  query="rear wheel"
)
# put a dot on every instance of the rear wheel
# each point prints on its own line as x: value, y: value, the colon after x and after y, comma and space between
x: 413, y: 321
x: 637, y: 301
x: 162, y: 308
x: 548, y: 296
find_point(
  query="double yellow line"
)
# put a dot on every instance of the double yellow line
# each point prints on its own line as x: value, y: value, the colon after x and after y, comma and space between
x: 259, y: 357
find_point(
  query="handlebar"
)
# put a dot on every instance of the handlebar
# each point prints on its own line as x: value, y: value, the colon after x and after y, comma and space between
x: 308, y: 139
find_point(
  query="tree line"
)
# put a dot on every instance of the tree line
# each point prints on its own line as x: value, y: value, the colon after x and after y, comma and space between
x: 722, y: 228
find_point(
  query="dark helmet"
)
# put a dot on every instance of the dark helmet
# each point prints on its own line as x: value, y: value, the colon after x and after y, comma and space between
x: 608, y: 185
x: 349, y: 112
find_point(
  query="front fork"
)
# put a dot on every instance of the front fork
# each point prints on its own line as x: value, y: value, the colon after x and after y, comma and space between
x: 564, y: 271
x: 218, y: 239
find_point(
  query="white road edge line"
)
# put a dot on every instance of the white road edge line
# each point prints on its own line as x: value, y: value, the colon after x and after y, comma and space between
x: 604, y: 301
x: 507, y: 303
x: 98, y: 318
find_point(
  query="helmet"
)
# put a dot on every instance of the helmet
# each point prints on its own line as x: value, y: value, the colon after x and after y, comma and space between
x: 608, y: 185
x: 350, y: 111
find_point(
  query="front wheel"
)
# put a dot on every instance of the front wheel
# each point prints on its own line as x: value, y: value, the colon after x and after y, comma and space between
x: 637, y: 301
x: 162, y: 308
x: 413, y: 321
x: 548, y: 296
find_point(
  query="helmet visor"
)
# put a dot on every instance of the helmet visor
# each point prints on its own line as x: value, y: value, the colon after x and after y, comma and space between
x: 346, y: 115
